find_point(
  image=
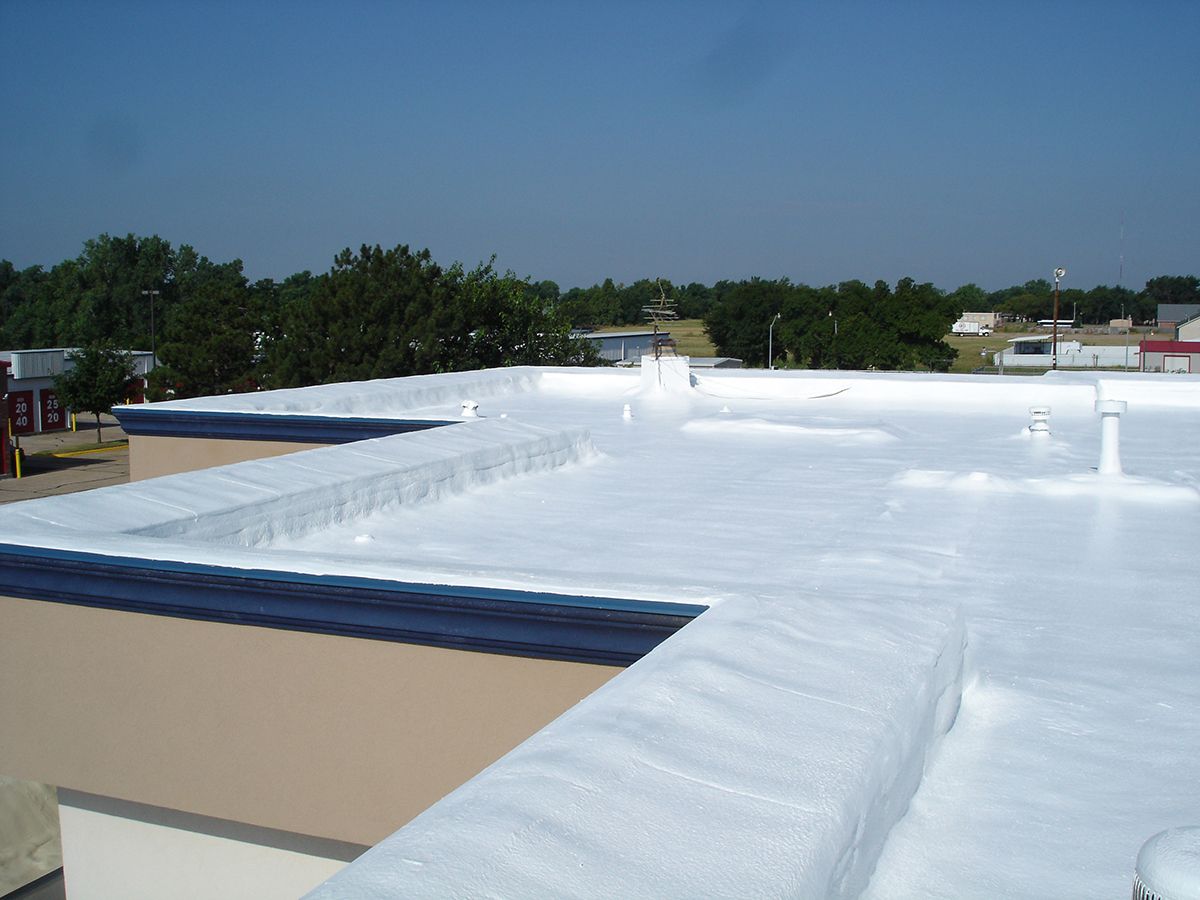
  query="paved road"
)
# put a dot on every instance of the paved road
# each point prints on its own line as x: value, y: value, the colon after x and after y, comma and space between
x: 68, y: 470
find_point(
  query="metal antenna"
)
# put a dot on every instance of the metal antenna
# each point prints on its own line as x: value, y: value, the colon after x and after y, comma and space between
x: 658, y: 312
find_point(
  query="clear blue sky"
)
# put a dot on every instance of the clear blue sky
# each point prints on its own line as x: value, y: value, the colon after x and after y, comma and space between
x: 950, y: 142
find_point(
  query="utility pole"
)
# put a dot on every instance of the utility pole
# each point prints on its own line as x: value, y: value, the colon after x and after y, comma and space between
x: 153, y: 342
x: 771, y: 342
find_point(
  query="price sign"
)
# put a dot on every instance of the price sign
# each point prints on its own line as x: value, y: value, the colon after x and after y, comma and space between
x: 53, y: 416
x: 20, y: 411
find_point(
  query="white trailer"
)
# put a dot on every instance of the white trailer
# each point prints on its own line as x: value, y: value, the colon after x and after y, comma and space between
x: 964, y: 327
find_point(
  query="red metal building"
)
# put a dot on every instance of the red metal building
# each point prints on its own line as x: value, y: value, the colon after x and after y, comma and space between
x: 1170, y: 356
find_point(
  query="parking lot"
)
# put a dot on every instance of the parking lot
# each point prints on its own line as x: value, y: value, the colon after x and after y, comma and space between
x: 63, y: 462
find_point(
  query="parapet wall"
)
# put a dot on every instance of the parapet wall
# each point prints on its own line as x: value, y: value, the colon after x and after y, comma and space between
x: 742, y: 758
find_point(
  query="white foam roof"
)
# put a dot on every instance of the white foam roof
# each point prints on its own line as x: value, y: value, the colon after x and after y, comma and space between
x: 943, y: 657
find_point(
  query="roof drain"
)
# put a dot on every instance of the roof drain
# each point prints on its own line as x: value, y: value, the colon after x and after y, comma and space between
x: 1168, y: 866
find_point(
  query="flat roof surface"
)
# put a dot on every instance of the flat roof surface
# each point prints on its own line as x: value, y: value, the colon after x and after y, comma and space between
x: 942, y: 656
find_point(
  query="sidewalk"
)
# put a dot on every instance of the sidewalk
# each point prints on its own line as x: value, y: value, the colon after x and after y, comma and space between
x: 55, y: 464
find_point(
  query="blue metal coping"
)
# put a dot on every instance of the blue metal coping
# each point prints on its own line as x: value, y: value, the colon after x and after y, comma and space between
x: 602, y: 630
x: 256, y: 426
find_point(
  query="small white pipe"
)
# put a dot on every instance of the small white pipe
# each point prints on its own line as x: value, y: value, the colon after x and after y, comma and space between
x: 1110, y: 435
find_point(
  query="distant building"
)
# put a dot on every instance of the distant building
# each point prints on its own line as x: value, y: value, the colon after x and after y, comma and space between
x: 623, y: 346
x: 1189, y: 330
x: 1170, y: 356
x: 1037, y: 351
x: 33, y: 406
x: 1172, y: 314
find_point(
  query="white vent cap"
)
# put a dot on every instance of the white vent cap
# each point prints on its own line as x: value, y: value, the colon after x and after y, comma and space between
x: 1168, y: 865
x: 1039, y: 414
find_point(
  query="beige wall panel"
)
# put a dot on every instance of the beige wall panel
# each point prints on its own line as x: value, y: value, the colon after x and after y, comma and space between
x: 107, y: 856
x: 151, y: 456
x: 337, y: 737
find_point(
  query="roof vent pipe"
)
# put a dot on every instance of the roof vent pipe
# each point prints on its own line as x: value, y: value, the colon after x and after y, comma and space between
x: 1110, y: 435
x: 470, y: 409
x: 1168, y: 866
x: 1039, y: 425
x: 627, y: 412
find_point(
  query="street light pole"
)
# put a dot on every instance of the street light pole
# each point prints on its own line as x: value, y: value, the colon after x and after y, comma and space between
x: 835, y: 359
x: 153, y: 339
x: 771, y: 342
x: 1058, y: 274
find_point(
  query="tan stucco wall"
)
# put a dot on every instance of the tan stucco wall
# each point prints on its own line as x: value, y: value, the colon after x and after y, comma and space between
x: 331, y: 736
x: 151, y: 456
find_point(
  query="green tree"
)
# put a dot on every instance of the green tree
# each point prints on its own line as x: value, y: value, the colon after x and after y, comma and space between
x: 375, y: 314
x: 211, y: 338
x: 808, y: 329
x: 694, y: 300
x: 99, y: 379
x: 1167, y: 289
x: 971, y: 297
x: 386, y: 313
x: 96, y: 297
x: 1102, y: 304
x: 511, y: 325
x: 591, y: 307
x: 546, y: 291
x: 18, y: 303
x: 739, y: 324
x: 856, y: 326
x: 1030, y: 301
x: 112, y: 273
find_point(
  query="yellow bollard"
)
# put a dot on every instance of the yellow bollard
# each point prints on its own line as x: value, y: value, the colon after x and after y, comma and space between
x: 72, y: 420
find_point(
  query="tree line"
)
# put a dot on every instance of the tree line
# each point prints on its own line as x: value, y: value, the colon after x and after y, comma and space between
x: 846, y: 326
x: 389, y: 312
x: 375, y: 314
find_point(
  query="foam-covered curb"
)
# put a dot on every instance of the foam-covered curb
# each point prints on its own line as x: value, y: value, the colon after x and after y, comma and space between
x: 382, y: 397
x: 765, y: 750
x: 250, y: 503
